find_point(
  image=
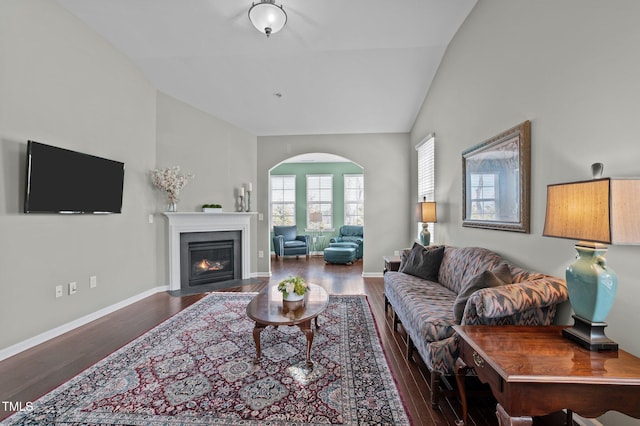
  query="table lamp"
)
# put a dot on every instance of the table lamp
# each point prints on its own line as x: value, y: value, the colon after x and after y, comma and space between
x: 597, y: 212
x: 315, y: 218
x: 425, y: 213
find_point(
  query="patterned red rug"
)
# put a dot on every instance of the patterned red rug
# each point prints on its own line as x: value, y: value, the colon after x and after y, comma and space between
x: 197, y: 369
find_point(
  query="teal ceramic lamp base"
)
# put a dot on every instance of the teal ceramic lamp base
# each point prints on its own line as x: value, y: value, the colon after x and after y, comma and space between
x: 592, y: 289
x: 425, y: 235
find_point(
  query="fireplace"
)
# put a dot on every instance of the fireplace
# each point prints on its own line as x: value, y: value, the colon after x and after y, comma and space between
x: 210, y: 257
x: 182, y: 223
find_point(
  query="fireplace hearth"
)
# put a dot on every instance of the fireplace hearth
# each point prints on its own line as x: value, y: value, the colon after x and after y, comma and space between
x: 210, y: 257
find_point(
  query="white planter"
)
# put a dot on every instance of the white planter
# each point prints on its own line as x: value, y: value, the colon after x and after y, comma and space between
x: 292, y: 297
x: 212, y: 210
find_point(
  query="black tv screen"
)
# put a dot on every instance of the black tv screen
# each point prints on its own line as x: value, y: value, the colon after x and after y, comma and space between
x: 63, y: 181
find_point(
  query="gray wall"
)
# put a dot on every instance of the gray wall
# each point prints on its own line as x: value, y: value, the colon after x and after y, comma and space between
x: 221, y: 156
x: 572, y: 68
x: 63, y: 85
x: 384, y: 158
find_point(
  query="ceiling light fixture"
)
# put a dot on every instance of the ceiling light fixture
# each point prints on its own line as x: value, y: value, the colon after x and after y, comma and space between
x: 267, y: 17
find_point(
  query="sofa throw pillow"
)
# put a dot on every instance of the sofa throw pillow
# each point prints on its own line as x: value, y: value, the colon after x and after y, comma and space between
x: 403, y: 258
x: 497, y: 277
x: 424, y: 262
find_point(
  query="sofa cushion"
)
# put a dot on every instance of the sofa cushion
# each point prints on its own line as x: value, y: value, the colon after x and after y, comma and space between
x: 497, y: 277
x: 423, y: 262
x: 424, y: 307
x: 461, y: 264
x: 294, y: 243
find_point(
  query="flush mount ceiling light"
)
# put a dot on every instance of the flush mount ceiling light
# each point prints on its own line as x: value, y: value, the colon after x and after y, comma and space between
x: 267, y: 17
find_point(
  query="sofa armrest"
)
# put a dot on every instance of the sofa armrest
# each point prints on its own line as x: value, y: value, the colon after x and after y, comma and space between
x: 509, y: 300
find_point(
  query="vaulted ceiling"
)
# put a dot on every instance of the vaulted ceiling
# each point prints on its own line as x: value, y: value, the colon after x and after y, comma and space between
x: 338, y: 66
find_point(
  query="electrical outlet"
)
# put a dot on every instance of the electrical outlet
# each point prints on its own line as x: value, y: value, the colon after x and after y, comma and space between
x: 150, y: 218
x: 260, y: 253
x: 93, y: 281
x: 73, y: 287
x: 260, y: 216
x: 396, y: 253
x: 58, y: 291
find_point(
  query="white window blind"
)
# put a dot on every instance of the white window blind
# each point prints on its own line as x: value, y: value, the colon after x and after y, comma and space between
x: 353, y: 199
x: 426, y: 169
x: 320, y: 199
x: 426, y: 175
x: 283, y: 200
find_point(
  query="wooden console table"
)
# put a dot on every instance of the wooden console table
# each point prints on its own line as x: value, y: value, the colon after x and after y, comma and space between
x: 535, y: 371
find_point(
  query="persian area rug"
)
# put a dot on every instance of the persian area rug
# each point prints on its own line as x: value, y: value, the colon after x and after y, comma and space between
x: 197, y: 369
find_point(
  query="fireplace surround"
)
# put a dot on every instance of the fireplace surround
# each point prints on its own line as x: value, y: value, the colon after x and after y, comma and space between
x: 209, y: 257
x: 180, y: 223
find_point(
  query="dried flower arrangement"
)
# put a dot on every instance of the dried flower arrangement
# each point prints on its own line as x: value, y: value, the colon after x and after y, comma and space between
x: 171, y: 181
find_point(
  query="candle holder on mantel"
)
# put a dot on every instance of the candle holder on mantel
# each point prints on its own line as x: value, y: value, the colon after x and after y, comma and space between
x: 248, y: 200
x: 241, y: 203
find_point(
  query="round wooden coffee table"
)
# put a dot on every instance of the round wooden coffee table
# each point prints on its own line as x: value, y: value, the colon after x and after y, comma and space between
x: 268, y: 308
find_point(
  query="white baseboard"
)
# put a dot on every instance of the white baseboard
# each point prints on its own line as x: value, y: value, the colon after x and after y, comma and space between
x: 372, y: 275
x: 261, y: 275
x: 64, y: 328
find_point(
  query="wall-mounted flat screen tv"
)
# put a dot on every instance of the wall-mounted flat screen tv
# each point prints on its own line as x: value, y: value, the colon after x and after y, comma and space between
x: 59, y: 180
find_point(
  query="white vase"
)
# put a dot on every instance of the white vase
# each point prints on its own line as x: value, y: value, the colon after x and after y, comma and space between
x: 292, y: 297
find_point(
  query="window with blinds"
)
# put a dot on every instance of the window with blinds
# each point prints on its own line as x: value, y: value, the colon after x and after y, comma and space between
x: 320, y: 199
x: 426, y: 169
x: 283, y: 200
x: 426, y: 174
x: 353, y: 199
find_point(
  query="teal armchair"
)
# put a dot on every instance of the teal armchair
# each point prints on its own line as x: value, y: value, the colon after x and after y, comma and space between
x: 287, y: 242
x: 351, y: 233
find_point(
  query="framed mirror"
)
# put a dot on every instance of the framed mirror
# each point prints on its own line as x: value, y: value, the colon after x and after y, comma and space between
x: 496, y: 181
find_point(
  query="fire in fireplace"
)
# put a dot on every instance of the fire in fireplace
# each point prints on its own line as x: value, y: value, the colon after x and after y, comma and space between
x: 209, y: 257
x: 210, y: 261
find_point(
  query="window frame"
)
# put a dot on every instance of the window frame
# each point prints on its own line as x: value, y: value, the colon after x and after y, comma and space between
x: 327, y: 214
x: 426, y: 171
x: 483, y: 200
x: 347, y: 202
x: 284, y: 202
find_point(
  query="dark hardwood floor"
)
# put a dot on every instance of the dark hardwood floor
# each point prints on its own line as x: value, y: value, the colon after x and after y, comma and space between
x: 36, y: 371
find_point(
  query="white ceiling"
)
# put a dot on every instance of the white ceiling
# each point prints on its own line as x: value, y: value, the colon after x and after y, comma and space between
x: 341, y: 66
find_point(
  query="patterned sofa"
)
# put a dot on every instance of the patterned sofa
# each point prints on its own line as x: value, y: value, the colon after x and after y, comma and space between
x: 425, y: 308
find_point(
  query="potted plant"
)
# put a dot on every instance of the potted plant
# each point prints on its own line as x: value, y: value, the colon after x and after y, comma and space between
x: 293, y: 288
x: 211, y: 208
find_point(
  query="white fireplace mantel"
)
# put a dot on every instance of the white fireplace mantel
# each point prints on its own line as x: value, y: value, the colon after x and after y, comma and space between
x: 180, y: 223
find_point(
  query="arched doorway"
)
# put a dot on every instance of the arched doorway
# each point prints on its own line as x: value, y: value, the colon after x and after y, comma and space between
x: 318, y: 192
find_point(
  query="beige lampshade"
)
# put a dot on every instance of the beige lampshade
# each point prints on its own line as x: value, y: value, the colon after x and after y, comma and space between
x: 601, y: 210
x: 426, y: 212
x: 315, y: 217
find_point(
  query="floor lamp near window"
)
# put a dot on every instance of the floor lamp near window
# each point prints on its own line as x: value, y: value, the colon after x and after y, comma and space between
x: 426, y: 213
x: 597, y: 212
